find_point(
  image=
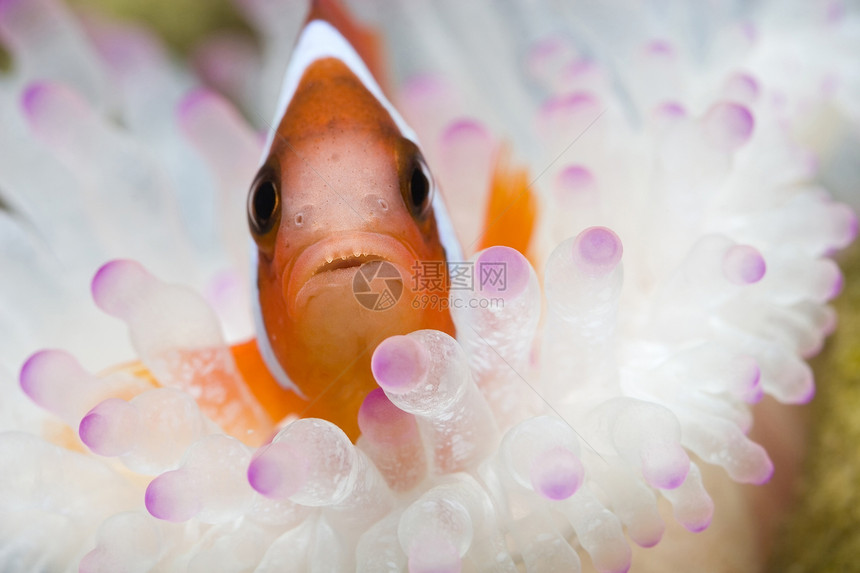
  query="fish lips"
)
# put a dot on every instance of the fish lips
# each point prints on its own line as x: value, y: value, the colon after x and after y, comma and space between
x: 334, y: 262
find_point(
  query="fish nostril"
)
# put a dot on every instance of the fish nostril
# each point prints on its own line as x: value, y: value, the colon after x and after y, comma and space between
x: 377, y: 205
x: 304, y: 218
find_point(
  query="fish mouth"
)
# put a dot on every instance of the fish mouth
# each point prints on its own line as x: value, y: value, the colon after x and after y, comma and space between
x: 347, y: 261
x: 332, y: 262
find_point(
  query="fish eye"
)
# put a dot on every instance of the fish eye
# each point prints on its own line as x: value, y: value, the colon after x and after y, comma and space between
x: 264, y: 206
x: 420, y: 190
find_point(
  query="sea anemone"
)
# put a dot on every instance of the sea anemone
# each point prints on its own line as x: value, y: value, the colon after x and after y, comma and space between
x: 680, y: 271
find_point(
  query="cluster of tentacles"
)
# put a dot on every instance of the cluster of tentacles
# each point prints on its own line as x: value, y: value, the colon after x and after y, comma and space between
x: 684, y: 271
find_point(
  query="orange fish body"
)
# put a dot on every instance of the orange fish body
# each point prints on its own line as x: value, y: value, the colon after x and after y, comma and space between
x: 343, y: 188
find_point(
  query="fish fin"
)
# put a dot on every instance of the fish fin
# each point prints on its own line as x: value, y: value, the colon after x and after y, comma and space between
x: 277, y: 401
x: 135, y: 368
x: 364, y: 39
x: 511, y: 207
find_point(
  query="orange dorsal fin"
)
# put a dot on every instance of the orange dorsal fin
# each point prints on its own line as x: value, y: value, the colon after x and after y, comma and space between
x: 277, y: 401
x: 511, y: 207
x: 366, y: 41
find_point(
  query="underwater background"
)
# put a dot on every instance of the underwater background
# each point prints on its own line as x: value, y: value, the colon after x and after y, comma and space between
x: 822, y: 531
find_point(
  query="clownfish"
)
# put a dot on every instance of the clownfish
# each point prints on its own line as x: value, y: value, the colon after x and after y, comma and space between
x: 343, y: 188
